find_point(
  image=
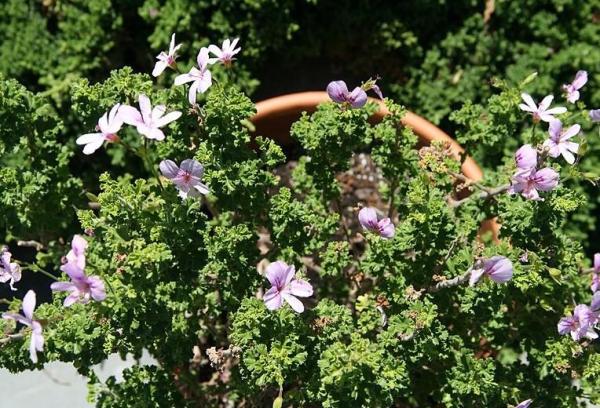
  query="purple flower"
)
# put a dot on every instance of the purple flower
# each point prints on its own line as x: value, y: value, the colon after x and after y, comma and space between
x: 186, y: 177
x: 596, y: 274
x: 526, y: 157
x: 368, y: 219
x: 497, y: 268
x: 166, y: 59
x: 201, y: 79
x: 148, y: 121
x: 572, y: 89
x: 284, y: 286
x: 338, y: 92
x: 595, y: 115
x: 81, y: 286
x: 529, y: 182
x: 108, y: 125
x: 540, y: 112
x: 524, y: 404
x: 580, y: 324
x: 225, y: 54
x: 558, y: 143
x: 9, y: 271
x: 37, y: 339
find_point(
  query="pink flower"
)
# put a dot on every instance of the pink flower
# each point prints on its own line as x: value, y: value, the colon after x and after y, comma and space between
x: 595, y: 115
x: 558, y: 143
x: 529, y: 182
x: 166, y: 59
x: 541, y: 112
x: 572, y: 89
x: 497, y: 268
x: 37, y: 339
x: 367, y: 217
x: 81, y: 286
x: 186, y: 177
x: 9, y: 271
x: 580, y: 324
x: 108, y: 125
x: 524, y: 404
x: 338, y: 92
x: 201, y: 79
x: 526, y: 157
x: 284, y: 286
x: 225, y: 54
x: 148, y: 121
x: 596, y: 274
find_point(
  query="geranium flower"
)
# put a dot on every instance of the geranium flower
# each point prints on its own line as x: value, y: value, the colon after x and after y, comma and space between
x: 185, y: 177
x: 367, y: 217
x: 572, y: 89
x: 108, y: 125
x: 225, y: 54
x: 148, y: 121
x: 166, y: 59
x: 595, y: 115
x: 541, y: 112
x: 526, y: 157
x: 9, y: 271
x: 81, y: 288
x: 338, y: 92
x: 524, y: 404
x: 37, y: 339
x: 497, y: 268
x: 528, y: 183
x: 580, y: 324
x: 558, y: 143
x: 201, y: 79
x: 284, y: 286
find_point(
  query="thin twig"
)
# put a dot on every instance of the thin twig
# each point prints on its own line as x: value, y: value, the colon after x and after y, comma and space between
x: 484, y: 195
x: 31, y: 244
x: 11, y: 337
x: 459, y: 280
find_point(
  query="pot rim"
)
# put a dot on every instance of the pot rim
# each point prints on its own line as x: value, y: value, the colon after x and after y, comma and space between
x: 296, y: 103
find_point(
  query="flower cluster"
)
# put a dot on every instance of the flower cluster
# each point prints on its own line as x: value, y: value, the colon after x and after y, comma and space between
x: 200, y: 77
x: 530, y: 177
x: 81, y: 287
x: 581, y: 324
x: 148, y: 122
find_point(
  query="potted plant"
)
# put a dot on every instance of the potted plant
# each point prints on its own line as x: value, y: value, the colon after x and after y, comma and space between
x: 352, y: 275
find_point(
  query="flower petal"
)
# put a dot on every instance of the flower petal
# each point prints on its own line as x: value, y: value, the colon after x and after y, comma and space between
x: 168, y: 118
x: 293, y: 302
x: 301, y: 288
x: 29, y: 304
x: 272, y: 299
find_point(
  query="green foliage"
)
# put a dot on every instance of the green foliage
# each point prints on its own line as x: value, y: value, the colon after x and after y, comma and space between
x: 184, y: 279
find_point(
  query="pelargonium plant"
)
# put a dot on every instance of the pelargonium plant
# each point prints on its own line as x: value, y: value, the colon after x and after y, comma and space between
x: 362, y: 272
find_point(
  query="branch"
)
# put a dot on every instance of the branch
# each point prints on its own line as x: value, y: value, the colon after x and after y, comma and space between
x: 11, y: 337
x: 459, y: 280
x: 484, y: 195
x: 31, y: 244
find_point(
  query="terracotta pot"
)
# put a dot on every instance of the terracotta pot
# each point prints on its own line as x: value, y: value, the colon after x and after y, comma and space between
x: 274, y: 118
